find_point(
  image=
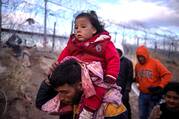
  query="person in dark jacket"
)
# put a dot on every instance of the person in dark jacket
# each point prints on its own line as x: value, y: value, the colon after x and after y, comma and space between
x: 169, y: 109
x: 14, y: 42
x: 125, y: 77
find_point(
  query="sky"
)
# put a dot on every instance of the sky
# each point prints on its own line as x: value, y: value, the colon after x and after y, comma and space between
x: 161, y: 16
x: 156, y: 16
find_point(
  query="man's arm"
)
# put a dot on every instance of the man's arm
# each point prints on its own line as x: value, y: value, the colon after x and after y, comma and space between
x: 164, y: 73
x: 45, y: 93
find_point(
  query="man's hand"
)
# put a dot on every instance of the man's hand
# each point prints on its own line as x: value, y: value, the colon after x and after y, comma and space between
x: 86, y: 114
x: 155, y: 114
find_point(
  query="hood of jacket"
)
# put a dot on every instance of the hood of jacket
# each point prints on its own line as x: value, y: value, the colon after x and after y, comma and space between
x: 142, y: 50
x: 120, y: 47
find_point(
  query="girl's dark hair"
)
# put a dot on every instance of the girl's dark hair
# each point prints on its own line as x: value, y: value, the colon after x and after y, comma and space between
x: 92, y: 16
x: 172, y: 86
x: 68, y: 72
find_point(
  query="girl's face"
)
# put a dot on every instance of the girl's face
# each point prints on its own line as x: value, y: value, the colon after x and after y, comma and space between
x: 172, y: 100
x: 84, y: 29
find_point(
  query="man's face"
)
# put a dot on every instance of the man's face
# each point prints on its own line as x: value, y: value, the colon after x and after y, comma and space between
x: 70, y: 94
x: 172, y: 100
x: 141, y: 59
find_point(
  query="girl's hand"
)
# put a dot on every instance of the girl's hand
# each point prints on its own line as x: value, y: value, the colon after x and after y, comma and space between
x: 52, y: 68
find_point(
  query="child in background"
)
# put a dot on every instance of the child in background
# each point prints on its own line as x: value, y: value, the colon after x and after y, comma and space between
x: 91, y: 43
x: 170, y: 108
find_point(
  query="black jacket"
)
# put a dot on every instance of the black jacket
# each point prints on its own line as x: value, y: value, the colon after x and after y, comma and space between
x: 167, y: 113
x: 45, y: 93
x: 125, y: 77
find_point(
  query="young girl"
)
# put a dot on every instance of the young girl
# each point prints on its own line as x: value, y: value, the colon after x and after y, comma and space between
x: 90, y: 42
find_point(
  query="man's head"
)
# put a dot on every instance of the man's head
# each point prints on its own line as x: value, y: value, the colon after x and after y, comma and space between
x: 66, y: 79
x: 119, y: 48
x: 142, y: 54
x: 171, y: 95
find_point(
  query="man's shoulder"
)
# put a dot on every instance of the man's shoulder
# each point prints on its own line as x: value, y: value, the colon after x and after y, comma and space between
x: 153, y: 60
x: 126, y: 59
x: 157, y: 63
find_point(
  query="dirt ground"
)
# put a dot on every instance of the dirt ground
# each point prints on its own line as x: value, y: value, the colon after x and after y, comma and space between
x: 21, y: 83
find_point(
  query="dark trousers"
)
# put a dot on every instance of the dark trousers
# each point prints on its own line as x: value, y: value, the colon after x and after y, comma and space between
x: 125, y: 100
x: 66, y: 116
x: 146, y: 103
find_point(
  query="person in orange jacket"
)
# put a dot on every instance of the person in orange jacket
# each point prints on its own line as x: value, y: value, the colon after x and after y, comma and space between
x: 152, y: 76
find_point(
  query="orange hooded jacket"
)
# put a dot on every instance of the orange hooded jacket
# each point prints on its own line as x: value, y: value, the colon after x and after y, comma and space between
x: 152, y: 73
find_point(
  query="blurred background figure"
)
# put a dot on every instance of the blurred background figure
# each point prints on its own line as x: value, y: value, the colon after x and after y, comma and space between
x: 152, y: 77
x: 125, y: 77
x: 14, y: 42
x: 169, y: 109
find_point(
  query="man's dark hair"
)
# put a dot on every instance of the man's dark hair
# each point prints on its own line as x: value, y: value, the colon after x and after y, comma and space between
x: 91, y: 15
x: 172, y: 86
x: 68, y: 72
